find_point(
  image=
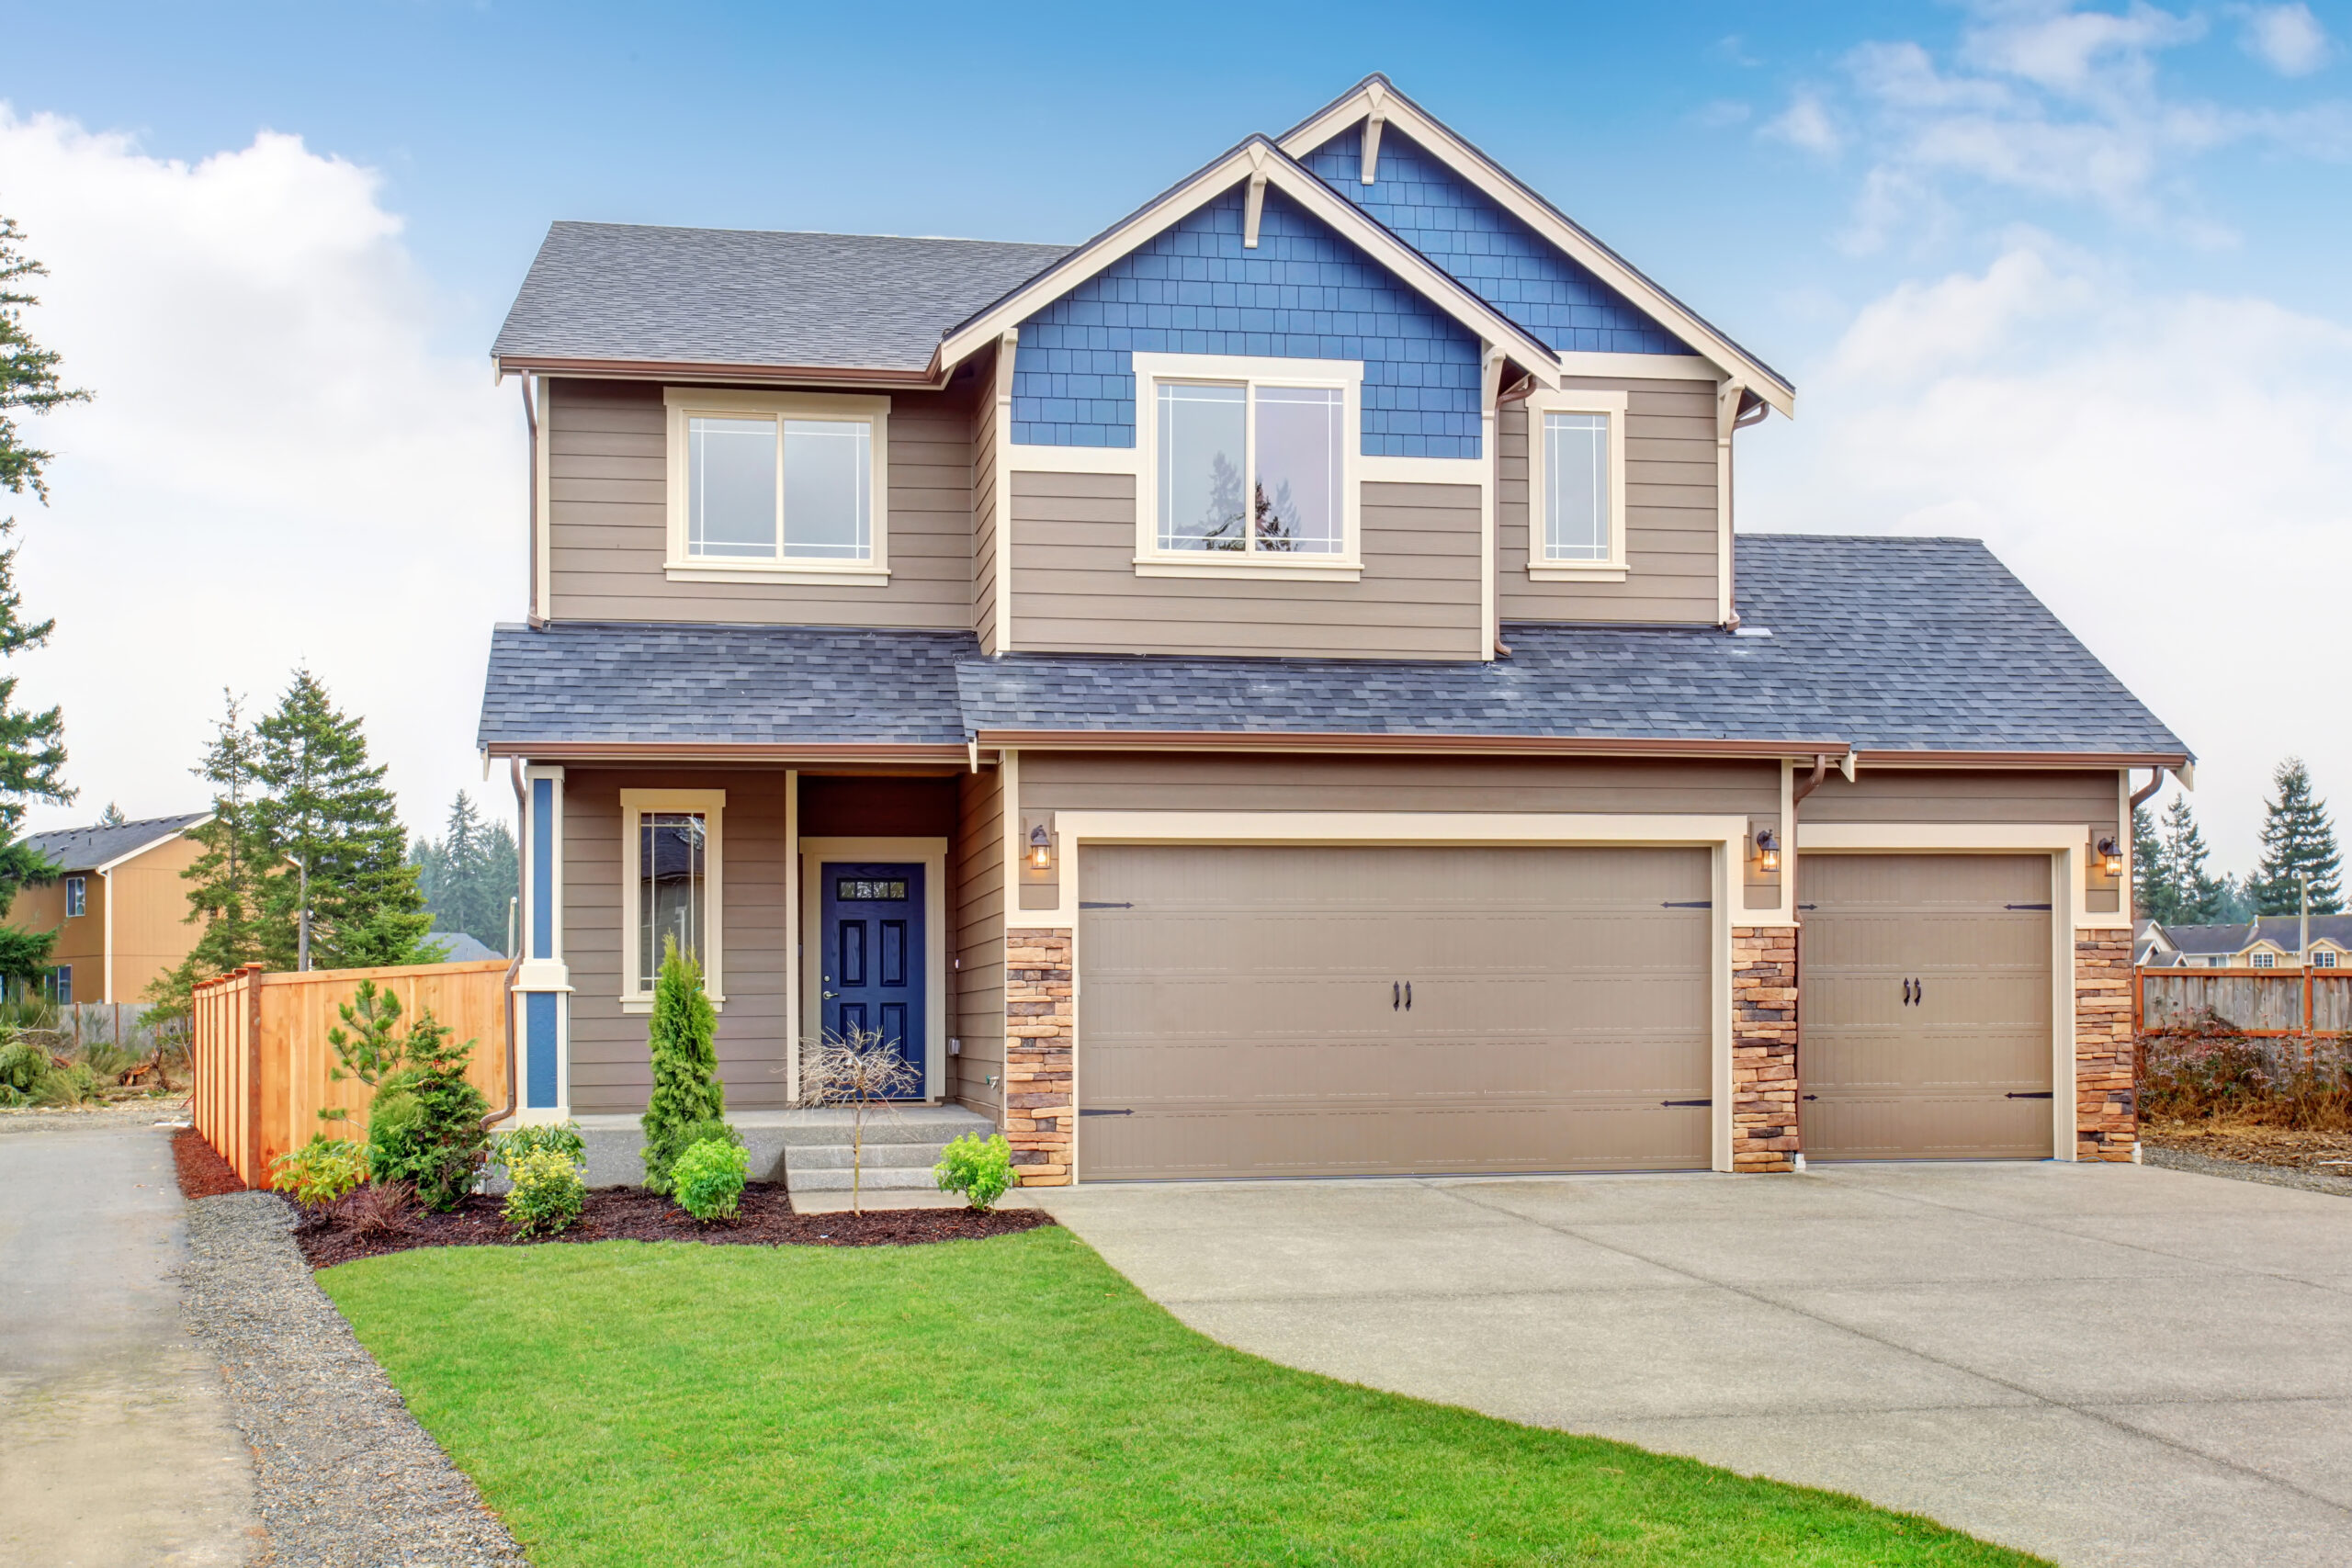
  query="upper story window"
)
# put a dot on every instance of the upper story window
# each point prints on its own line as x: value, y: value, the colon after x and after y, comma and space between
x: 1248, y: 465
x: 2322, y: 958
x: 2266, y: 960
x: 777, y: 484
x: 1575, y: 471
x: 77, y: 896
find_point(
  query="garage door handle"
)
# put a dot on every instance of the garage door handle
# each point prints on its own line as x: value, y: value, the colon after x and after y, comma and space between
x: 1409, y: 996
x: 1907, y: 993
x: 1089, y: 1111
x: 1396, y: 996
x: 2028, y: 1094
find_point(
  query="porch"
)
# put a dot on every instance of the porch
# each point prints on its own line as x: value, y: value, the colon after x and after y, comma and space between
x: 808, y: 1150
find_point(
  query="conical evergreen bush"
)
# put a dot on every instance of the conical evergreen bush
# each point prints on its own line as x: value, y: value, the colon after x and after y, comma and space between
x: 687, y: 1096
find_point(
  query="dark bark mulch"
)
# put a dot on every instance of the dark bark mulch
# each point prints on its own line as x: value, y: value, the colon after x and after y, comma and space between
x: 203, y: 1173
x: 630, y: 1213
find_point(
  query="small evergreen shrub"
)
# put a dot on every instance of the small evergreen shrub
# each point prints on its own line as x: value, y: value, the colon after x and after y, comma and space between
x: 980, y: 1171
x: 321, y: 1172
x: 515, y: 1141
x: 709, y: 1179
x: 425, y: 1127
x: 687, y: 1090
x: 547, y: 1192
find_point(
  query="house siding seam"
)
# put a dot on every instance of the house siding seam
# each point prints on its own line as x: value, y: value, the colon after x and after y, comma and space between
x: 1764, y: 1134
x: 2107, y: 1121
x: 1303, y: 293
x: 1040, y: 1108
x: 1493, y: 254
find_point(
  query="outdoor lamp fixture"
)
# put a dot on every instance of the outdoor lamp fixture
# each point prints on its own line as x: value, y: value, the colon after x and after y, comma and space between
x: 1041, y: 849
x: 2111, y: 853
x: 1768, y: 850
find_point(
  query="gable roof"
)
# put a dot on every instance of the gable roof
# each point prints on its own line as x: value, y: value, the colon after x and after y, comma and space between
x: 1905, y: 648
x: 88, y: 848
x: 728, y: 302
x: 1255, y: 159
x: 1375, y: 95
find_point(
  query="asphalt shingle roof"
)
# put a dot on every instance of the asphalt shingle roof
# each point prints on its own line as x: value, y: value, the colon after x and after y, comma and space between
x: 86, y: 849
x: 1881, y: 643
x: 626, y: 291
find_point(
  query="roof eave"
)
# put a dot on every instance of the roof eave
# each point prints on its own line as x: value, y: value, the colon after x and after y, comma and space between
x: 1341, y: 741
x: 1530, y: 207
x: 1872, y: 758
x: 726, y: 751
x: 930, y: 379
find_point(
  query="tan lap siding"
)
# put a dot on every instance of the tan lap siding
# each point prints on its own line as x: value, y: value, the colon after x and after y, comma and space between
x: 1075, y: 587
x: 977, y: 870
x: 2088, y: 796
x: 1671, y: 544
x: 611, y: 1070
x: 608, y: 517
x: 983, y: 492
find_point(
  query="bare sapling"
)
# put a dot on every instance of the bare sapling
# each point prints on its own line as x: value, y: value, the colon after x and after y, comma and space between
x: 857, y: 1069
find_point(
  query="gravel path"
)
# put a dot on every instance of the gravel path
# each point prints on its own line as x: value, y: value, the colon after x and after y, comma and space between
x: 122, y: 1113
x: 2246, y: 1170
x: 343, y: 1473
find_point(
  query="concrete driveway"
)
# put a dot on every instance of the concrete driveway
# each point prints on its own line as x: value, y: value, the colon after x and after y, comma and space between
x: 2104, y: 1364
x: 116, y: 1446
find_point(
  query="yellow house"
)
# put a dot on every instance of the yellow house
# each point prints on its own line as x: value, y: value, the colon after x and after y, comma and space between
x: 119, y: 905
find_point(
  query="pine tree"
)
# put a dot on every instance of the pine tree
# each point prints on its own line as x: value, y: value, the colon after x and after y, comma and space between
x: 28, y: 378
x: 2196, y: 898
x: 501, y: 884
x: 112, y: 816
x: 2297, y: 842
x: 469, y: 877
x: 229, y: 892
x: 329, y: 817
x: 2151, y: 877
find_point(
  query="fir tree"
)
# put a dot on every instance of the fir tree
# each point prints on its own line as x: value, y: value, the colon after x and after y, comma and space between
x: 2297, y: 842
x: 228, y: 893
x: 336, y: 830
x: 28, y: 378
x: 469, y: 877
x: 112, y: 816
x: 2151, y: 877
x: 2194, y: 895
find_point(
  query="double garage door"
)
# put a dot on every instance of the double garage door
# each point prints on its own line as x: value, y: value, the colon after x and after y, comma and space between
x: 1256, y: 1011
x: 1250, y: 1010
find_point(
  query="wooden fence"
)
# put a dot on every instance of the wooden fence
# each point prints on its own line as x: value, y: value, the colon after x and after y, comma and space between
x: 2298, y: 1003
x: 261, y: 1057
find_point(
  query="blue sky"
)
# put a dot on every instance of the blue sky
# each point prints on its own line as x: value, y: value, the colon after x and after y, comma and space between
x: 1959, y: 228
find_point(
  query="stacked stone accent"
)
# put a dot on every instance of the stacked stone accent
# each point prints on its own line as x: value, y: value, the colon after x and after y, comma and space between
x: 2106, y: 1122
x: 1763, y: 1048
x: 1039, y: 1104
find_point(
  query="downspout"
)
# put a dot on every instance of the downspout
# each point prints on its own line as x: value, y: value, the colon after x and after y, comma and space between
x: 514, y: 967
x: 1796, y: 955
x: 2139, y: 798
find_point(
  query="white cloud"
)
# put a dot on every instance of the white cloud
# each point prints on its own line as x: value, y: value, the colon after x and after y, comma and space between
x: 1805, y: 124
x: 2287, y: 38
x: 278, y: 466
x: 2172, y: 472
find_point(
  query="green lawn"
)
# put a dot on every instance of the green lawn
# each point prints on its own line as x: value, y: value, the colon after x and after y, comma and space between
x: 1011, y: 1400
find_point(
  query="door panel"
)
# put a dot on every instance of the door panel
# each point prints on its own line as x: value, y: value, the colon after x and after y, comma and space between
x: 1927, y: 1012
x: 1243, y: 1010
x: 871, y: 971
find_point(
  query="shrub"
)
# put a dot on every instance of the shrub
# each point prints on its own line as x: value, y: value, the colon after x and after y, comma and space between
x: 426, y: 1125
x: 319, y: 1173
x: 2209, y: 1067
x: 547, y: 1192
x: 380, y: 1211
x: 74, y: 1084
x: 709, y: 1179
x: 515, y: 1141
x: 980, y: 1171
x: 687, y: 1090
x: 22, y: 1066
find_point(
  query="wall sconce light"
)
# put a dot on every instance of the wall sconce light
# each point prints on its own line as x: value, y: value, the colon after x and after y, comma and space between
x: 1768, y: 850
x: 1041, y: 849
x: 2111, y: 853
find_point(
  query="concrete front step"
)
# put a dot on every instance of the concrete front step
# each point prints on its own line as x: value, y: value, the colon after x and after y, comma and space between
x: 781, y: 1142
x: 877, y: 1179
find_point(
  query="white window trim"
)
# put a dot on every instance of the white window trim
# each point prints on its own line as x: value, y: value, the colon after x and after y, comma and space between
x: 712, y: 804
x: 686, y: 402
x: 1347, y: 375
x: 1575, y: 400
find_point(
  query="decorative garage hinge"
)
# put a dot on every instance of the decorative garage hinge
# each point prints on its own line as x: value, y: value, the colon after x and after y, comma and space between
x: 2028, y: 1094
x: 1691, y: 904
x: 2025, y: 905
x: 1707, y: 1101
x: 1085, y: 1111
x: 1085, y: 904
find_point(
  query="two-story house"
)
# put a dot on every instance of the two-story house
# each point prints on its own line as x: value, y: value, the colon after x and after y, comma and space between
x: 1274, y: 690
x: 118, y: 906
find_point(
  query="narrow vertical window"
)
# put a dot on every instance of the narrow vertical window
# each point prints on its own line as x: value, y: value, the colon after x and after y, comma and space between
x: 672, y: 890
x: 1202, y: 458
x: 828, y: 490
x: 1577, y: 512
x: 732, y: 493
x: 77, y: 896
x: 1296, y: 496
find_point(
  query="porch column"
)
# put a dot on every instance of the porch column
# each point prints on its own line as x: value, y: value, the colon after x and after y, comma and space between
x: 543, y: 985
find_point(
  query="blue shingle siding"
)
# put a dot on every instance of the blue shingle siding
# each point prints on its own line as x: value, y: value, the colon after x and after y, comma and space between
x: 1305, y: 293
x: 1490, y: 252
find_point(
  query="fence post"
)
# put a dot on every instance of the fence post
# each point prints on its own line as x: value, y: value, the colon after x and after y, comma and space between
x: 253, y: 1077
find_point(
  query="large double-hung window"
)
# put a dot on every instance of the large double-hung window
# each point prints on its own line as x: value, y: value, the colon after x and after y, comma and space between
x: 777, y: 484
x: 1248, y: 463
x: 1576, y: 470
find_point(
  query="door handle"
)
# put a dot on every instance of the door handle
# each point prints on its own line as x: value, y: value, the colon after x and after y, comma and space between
x: 1409, y: 996
x: 831, y: 995
x: 1396, y: 996
x: 1919, y: 992
x: 1907, y: 993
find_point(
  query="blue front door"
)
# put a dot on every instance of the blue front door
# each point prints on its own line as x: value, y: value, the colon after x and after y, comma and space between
x: 873, y: 959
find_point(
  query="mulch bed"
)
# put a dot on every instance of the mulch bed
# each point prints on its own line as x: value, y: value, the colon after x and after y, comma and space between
x: 629, y: 1213
x: 203, y: 1173
x: 2283, y: 1146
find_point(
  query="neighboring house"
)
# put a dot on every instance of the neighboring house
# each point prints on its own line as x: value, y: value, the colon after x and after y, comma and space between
x: 120, y: 908
x: 2269, y: 941
x: 461, y: 947
x: 1275, y: 691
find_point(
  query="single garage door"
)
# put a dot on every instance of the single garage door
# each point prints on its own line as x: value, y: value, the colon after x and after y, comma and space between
x: 1927, y: 1007
x: 1248, y: 1010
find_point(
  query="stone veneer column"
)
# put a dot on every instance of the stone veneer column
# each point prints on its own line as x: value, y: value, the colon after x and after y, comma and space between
x: 1763, y: 1048
x: 2106, y: 1120
x: 1038, y: 1103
